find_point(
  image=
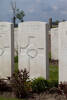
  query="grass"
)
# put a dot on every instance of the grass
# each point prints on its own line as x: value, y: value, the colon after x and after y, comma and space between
x: 49, y: 55
x: 16, y: 66
x: 53, y: 70
x: 16, y: 62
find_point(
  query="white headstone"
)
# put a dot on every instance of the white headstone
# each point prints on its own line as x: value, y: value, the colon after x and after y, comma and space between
x: 32, y: 48
x: 63, y: 52
x: 15, y: 41
x: 6, y: 49
x: 54, y: 43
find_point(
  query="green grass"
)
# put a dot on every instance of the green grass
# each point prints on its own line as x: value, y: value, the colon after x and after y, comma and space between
x: 16, y: 66
x: 53, y: 72
x: 49, y: 55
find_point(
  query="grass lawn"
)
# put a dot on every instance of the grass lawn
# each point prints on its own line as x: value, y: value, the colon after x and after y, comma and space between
x: 16, y: 66
x: 53, y: 72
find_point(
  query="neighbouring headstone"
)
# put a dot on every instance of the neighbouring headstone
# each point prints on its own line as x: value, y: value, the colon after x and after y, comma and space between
x: 32, y: 48
x: 15, y: 41
x: 6, y: 49
x: 54, y: 43
x: 49, y: 42
x: 63, y: 52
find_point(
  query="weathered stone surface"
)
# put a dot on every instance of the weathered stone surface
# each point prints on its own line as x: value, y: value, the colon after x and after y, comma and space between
x: 15, y: 41
x: 32, y: 48
x: 62, y: 52
x: 6, y: 49
x: 54, y: 43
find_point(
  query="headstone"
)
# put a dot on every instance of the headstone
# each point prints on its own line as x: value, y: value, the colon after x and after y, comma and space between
x: 63, y: 52
x: 54, y: 43
x: 6, y: 49
x: 15, y: 41
x: 32, y: 48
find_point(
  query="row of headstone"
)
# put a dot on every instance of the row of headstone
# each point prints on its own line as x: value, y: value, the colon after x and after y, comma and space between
x: 59, y: 49
x: 32, y: 49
